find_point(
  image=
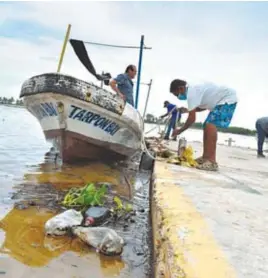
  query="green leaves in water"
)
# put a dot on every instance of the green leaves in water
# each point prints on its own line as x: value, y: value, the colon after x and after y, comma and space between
x: 86, y: 196
x: 89, y: 196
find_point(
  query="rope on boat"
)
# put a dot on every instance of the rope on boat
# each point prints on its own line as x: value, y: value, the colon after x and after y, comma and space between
x: 117, y: 46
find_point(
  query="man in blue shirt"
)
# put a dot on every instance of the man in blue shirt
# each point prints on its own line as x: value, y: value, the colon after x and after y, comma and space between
x: 176, y: 115
x: 123, y: 84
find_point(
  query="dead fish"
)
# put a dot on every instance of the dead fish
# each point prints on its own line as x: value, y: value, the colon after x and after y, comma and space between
x: 105, y: 240
x: 61, y: 223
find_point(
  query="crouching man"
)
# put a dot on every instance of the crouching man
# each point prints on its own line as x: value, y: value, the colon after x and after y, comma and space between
x: 220, y: 101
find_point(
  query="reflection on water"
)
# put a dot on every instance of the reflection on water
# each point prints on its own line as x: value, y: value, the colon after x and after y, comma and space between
x: 68, y: 176
x: 25, y: 251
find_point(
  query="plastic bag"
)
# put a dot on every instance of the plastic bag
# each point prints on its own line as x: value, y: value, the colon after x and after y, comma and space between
x: 61, y: 223
x: 105, y: 240
x: 186, y: 158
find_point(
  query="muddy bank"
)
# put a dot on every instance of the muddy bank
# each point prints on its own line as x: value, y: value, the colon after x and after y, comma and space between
x: 25, y: 249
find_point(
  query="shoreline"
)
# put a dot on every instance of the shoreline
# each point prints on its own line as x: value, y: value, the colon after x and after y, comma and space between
x: 12, y: 105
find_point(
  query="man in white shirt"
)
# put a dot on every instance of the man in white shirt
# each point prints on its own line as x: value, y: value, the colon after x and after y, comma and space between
x: 220, y: 101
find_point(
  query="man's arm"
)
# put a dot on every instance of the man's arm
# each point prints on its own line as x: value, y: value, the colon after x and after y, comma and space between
x: 190, y: 120
x: 200, y: 109
x: 170, y: 112
x: 113, y: 84
x: 163, y: 116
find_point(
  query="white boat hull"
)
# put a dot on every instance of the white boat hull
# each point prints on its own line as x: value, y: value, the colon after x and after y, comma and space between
x: 88, y: 123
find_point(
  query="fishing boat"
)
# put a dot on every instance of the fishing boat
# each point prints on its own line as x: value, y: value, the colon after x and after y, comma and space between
x: 83, y: 120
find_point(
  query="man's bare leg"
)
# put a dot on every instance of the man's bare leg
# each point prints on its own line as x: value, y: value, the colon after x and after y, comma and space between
x: 204, y: 144
x: 210, y: 142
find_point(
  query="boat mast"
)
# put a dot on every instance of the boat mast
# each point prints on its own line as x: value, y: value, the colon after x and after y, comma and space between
x: 139, y: 73
x: 67, y: 35
x: 141, y: 48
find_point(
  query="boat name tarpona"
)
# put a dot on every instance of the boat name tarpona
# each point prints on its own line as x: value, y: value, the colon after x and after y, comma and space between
x: 76, y: 113
x: 89, y: 117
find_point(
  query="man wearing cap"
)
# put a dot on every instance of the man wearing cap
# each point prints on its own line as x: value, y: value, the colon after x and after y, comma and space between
x: 220, y: 101
x: 175, y: 115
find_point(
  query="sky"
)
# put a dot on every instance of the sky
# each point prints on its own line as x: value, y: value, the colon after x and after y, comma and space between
x: 221, y: 42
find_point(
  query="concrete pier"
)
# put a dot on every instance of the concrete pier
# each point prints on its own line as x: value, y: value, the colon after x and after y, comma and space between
x: 212, y: 224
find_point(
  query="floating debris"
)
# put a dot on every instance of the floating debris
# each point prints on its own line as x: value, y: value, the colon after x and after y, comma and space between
x: 105, y: 240
x: 61, y: 223
x: 94, y: 216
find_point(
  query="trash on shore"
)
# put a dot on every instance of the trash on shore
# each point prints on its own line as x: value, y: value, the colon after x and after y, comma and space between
x: 182, y: 146
x: 156, y: 145
x: 94, y: 216
x: 89, y: 202
x: 184, y: 156
x: 185, y: 159
x: 63, y: 222
x: 105, y: 240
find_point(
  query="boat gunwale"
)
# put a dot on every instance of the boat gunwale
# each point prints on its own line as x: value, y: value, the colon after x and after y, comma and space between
x: 114, y: 103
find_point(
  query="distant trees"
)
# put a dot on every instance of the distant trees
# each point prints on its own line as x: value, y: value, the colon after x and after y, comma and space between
x: 150, y: 118
x: 10, y: 101
x: 231, y: 129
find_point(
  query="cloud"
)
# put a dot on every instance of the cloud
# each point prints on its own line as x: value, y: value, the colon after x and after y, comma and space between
x: 220, y: 42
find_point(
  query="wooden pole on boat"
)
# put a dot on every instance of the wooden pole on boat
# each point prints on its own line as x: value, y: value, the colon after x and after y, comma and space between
x: 139, y: 72
x: 147, y: 99
x: 67, y: 35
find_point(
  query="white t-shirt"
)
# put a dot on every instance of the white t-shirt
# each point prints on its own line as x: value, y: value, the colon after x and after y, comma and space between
x: 209, y: 95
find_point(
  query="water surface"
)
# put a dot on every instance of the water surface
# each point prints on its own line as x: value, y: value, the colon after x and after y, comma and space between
x: 27, y: 179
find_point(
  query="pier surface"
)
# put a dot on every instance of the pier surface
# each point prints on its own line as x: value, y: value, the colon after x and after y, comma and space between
x: 212, y: 224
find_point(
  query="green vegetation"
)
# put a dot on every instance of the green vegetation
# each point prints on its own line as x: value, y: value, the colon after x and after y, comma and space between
x: 86, y: 196
x: 151, y: 119
x: 90, y: 195
x: 120, y: 206
x: 11, y: 101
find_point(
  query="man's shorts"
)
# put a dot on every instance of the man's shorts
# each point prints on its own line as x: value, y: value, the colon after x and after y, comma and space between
x: 221, y: 116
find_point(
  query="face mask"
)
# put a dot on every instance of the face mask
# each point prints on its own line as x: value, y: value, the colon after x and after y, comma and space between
x: 183, y: 96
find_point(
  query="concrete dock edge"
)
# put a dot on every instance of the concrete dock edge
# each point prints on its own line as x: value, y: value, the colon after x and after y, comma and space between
x: 183, y: 245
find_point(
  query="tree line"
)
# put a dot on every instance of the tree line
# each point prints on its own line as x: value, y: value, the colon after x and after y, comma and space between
x: 151, y: 119
x: 11, y: 101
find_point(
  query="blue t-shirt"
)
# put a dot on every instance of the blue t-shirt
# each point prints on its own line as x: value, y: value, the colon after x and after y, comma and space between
x: 175, y: 112
x: 125, y: 86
